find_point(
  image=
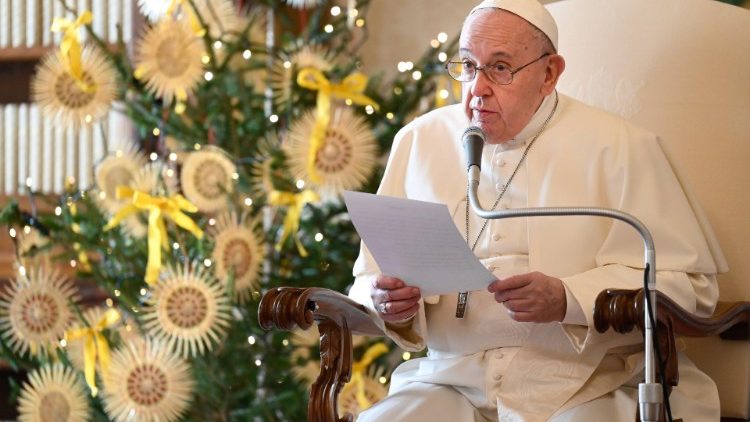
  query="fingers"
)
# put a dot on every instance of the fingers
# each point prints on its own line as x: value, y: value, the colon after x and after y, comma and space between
x: 393, y: 299
x: 512, y: 282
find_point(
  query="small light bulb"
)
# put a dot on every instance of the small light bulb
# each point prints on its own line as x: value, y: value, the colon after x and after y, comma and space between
x: 102, y: 195
x: 22, y: 271
x: 110, y: 303
x: 247, y: 54
x: 406, y: 356
x: 251, y: 340
x: 208, y: 76
x: 416, y: 75
x: 206, y: 59
x: 300, y: 184
x: 153, y: 156
x: 207, y: 262
x: 143, y: 292
x: 88, y: 118
x: 389, y: 116
x: 335, y: 11
x: 443, y: 94
x: 369, y: 109
x: 175, y: 246
x: 442, y: 37
x: 117, y: 293
x: 258, y: 362
x: 63, y: 343
x: 318, y: 237
x: 285, y: 342
x: 217, y: 44
x: 197, y: 147
x: 434, y: 43
x: 211, y: 221
x: 235, y: 176
x: 442, y: 56
x: 73, y: 263
x: 273, y: 118
x: 383, y: 380
x: 26, y: 229
x: 287, y: 64
x: 172, y: 156
x: 58, y: 211
x: 156, y: 131
x: 328, y: 28
x: 359, y: 22
x: 170, y: 173
x: 249, y: 201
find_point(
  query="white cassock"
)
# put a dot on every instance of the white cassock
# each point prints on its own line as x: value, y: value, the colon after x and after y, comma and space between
x: 487, y: 366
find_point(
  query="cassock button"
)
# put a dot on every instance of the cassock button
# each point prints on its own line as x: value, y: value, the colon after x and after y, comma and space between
x: 499, y: 186
x: 496, y: 237
x: 499, y: 162
x: 499, y: 355
x: 498, y: 377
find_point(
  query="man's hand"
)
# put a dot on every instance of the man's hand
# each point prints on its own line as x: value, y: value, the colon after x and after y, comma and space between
x: 393, y: 299
x: 531, y: 297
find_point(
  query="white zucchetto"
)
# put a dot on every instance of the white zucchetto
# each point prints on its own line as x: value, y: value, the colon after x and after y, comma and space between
x: 530, y: 10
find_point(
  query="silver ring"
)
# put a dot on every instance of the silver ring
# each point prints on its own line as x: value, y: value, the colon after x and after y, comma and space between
x: 382, y: 307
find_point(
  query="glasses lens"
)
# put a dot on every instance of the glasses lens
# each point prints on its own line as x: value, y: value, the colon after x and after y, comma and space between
x: 459, y: 72
x: 500, y: 74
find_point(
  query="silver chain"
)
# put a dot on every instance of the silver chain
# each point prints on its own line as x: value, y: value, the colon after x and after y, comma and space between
x: 463, y: 297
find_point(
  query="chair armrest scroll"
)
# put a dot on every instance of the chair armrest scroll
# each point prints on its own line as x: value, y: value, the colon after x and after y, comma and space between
x: 622, y: 310
x: 337, y: 317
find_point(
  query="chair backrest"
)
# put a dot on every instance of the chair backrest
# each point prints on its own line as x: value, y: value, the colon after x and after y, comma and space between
x: 682, y: 69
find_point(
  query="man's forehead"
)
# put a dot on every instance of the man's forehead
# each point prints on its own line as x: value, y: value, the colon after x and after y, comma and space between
x: 505, y: 31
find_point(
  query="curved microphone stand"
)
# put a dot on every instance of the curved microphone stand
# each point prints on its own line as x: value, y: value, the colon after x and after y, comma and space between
x: 650, y: 395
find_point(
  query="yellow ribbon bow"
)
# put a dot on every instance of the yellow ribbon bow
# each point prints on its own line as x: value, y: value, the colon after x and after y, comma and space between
x: 70, y: 47
x: 158, y: 207
x: 295, y: 203
x: 358, y: 373
x: 350, y: 88
x: 95, y: 346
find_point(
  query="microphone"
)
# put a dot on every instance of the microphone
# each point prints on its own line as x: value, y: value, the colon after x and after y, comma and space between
x: 650, y: 397
x: 473, y: 141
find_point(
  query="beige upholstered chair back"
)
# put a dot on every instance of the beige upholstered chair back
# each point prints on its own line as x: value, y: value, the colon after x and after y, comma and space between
x: 682, y: 69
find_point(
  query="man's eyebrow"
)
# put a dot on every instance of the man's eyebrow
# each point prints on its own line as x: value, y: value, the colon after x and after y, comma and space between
x: 495, y: 55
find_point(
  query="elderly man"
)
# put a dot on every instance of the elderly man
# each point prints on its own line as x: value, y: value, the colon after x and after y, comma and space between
x: 525, y: 349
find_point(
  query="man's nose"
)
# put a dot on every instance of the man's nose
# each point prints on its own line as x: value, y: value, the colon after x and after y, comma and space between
x: 481, y: 86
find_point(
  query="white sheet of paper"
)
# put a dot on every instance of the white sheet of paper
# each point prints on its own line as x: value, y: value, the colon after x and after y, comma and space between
x: 417, y: 242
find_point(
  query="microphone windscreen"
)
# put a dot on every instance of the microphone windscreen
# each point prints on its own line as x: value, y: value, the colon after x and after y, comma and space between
x: 473, y: 141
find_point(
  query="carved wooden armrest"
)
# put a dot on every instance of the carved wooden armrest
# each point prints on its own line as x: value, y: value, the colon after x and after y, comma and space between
x: 338, y: 317
x: 622, y: 310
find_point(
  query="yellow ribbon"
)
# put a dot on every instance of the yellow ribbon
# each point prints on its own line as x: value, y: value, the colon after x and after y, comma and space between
x: 294, y: 202
x: 95, y: 346
x: 70, y: 47
x: 82, y: 257
x: 358, y: 373
x: 351, y: 88
x: 192, y: 16
x: 158, y: 207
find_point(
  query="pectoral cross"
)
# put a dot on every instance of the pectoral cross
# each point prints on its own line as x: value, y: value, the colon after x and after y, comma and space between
x: 463, y: 299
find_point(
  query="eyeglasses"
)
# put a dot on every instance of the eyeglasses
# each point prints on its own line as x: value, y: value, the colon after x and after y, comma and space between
x: 499, y: 73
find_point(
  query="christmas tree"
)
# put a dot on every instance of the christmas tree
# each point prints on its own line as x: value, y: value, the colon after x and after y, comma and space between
x: 253, y: 118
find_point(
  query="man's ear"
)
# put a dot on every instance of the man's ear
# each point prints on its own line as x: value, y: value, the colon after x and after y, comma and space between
x: 555, y: 68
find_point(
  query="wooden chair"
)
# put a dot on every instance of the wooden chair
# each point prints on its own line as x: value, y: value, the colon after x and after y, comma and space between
x: 680, y: 68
